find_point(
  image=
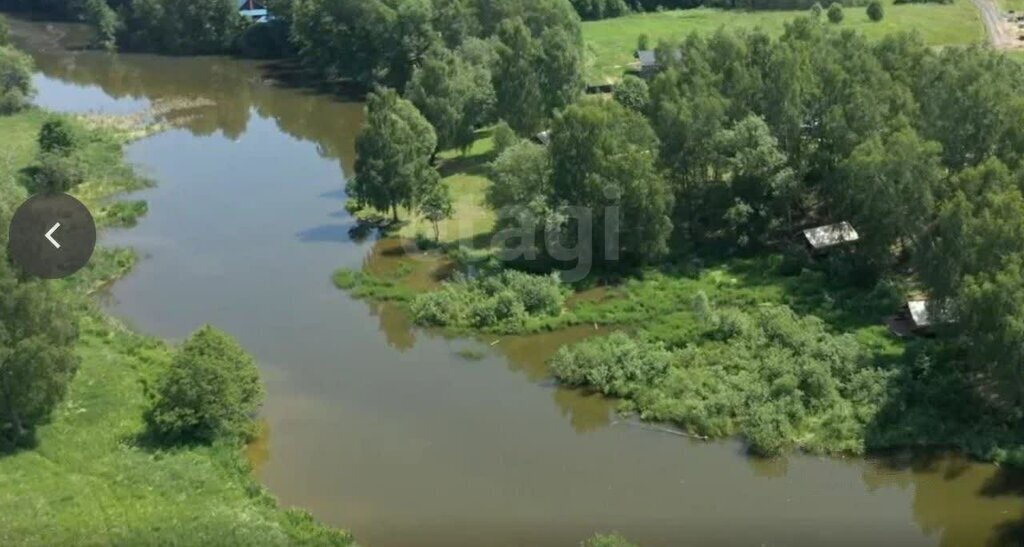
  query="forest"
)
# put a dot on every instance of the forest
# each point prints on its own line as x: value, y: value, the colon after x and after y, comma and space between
x: 719, y: 161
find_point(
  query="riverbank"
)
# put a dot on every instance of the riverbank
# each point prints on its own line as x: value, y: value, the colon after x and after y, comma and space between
x: 88, y: 477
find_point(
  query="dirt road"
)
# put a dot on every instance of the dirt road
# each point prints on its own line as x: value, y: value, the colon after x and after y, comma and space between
x: 1002, y: 33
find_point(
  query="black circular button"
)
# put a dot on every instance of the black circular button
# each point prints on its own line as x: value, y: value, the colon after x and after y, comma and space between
x: 52, y: 236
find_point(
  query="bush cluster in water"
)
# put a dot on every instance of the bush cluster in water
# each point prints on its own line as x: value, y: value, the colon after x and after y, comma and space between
x: 779, y: 379
x: 505, y: 300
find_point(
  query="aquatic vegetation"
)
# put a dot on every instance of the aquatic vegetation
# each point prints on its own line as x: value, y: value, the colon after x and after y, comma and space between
x: 505, y: 301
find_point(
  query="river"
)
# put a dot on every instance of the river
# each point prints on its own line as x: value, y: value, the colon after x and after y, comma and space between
x: 384, y: 429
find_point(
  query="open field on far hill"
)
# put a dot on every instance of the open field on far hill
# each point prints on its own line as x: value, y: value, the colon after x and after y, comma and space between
x: 610, y: 43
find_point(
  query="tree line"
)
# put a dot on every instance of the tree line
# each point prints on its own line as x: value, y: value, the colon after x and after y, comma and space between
x: 743, y: 140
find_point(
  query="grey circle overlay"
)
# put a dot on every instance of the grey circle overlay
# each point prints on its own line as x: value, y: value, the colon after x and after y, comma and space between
x: 39, y: 216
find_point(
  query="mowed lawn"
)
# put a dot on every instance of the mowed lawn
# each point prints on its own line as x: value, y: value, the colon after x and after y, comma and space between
x: 610, y: 43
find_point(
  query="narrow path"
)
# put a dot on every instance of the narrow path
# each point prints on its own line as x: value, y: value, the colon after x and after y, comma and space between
x: 1002, y: 33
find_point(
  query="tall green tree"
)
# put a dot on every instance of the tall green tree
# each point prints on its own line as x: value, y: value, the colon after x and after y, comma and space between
x: 104, y: 21
x: 393, y: 153
x: 604, y: 159
x: 759, y: 188
x: 519, y: 99
x: 887, y: 188
x: 181, y: 26
x: 436, y: 205
x: 37, y: 356
x: 16, y: 88
x: 455, y: 96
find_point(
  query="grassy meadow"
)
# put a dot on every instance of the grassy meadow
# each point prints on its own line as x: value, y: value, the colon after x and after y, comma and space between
x: 88, y: 480
x: 610, y: 42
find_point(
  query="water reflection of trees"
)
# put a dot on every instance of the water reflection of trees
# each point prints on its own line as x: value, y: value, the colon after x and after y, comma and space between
x: 229, y: 89
x: 965, y: 503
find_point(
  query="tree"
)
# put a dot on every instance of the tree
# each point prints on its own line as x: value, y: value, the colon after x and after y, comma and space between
x: 521, y: 183
x: 762, y: 188
x: 835, y: 13
x: 436, y: 205
x: 887, y: 188
x: 504, y: 137
x: 875, y: 11
x: 15, y: 80
x: 604, y: 160
x: 816, y: 10
x: 181, y: 26
x: 37, y: 356
x: 104, y: 21
x: 210, y: 391
x: 393, y: 153
x: 454, y: 96
x: 976, y: 228
x: 632, y: 93
x: 57, y: 136
x: 454, y: 21
x: 516, y: 83
x: 561, y: 68
x: 372, y: 42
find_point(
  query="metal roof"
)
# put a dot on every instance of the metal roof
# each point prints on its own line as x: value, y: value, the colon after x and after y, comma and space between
x: 919, y: 312
x: 647, y: 57
x: 827, y: 236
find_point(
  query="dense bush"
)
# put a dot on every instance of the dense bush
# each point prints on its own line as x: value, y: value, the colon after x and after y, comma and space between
x: 618, y: 364
x: 779, y: 379
x: 504, y: 137
x: 54, y: 173
x: 632, y: 93
x: 600, y: 9
x: 835, y: 13
x: 875, y: 11
x: 211, y: 391
x: 15, y: 80
x: 502, y: 301
x: 57, y: 136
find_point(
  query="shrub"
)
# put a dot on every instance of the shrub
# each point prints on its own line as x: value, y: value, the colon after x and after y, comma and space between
x: 210, y: 391
x: 15, y: 80
x: 632, y: 93
x: 53, y: 173
x: 835, y: 13
x: 816, y: 10
x: 503, y: 300
x: 617, y: 364
x: 504, y: 137
x: 125, y: 213
x: 875, y: 11
x: 57, y: 136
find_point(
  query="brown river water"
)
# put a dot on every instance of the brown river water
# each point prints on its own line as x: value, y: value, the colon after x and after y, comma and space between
x: 382, y: 428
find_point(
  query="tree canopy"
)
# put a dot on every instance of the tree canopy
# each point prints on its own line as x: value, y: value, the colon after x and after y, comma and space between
x: 393, y: 151
x: 210, y: 391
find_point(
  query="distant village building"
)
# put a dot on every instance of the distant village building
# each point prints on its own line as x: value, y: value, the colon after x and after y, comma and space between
x: 544, y: 138
x: 825, y: 237
x: 254, y: 11
x: 647, y: 61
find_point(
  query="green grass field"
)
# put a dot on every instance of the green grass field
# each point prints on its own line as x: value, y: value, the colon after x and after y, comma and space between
x: 88, y: 481
x: 610, y: 43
